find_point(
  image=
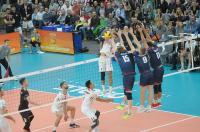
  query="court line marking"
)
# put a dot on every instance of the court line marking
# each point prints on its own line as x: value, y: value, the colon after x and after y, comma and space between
x: 76, y: 120
x: 167, y: 124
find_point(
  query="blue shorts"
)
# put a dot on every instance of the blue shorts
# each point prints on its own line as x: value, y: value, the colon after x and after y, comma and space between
x: 158, y: 75
x: 146, y: 79
x: 128, y: 82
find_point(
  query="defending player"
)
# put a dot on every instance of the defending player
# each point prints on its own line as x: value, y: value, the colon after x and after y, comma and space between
x: 87, y: 109
x: 128, y: 71
x: 27, y: 116
x: 60, y: 108
x: 157, y: 66
x: 4, y: 126
x: 105, y: 60
x: 146, y: 75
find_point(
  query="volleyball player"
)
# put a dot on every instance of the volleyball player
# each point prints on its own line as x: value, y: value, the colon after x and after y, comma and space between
x: 86, y: 106
x: 4, y: 126
x: 60, y: 107
x: 27, y: 116
x: 105, y: 60
x: 146, y: 76
x: 158, y: 70
x: 128, y: 71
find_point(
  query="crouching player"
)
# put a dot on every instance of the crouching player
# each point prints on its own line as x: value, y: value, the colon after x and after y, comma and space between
x: 61, y: 108
x: 86, y: 108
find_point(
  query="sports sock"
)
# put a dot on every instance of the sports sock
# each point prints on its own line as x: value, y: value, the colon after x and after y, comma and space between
x: 54, y: 128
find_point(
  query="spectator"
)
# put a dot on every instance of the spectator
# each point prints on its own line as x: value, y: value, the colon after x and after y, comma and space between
x: 9, y: 21
x: 164, y: 6
x: 34, y: 17
x: 102, y: 9
x: 54, y: 17
x: 96, y: 7
x: 109, y: 10
x: 95, y: 21
x: 61, y: 17
x: 26, y: 13
x: 40, y: 16
x: 53, y: 5
x: 87, y: 9
x: 76, y: 8
x: 112, y: 22
x: 192, y: 26
x: 68, y: 18
x: 120, y: 12
x: 47, y: 17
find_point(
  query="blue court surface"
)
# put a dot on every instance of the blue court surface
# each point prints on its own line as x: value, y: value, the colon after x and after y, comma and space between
x: 181, y: 92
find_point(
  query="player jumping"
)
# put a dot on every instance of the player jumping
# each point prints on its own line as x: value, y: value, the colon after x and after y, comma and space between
x: 4, y: 126
x: 128, y: 72
x: 27, y: 116
x: 158, y: 70
x: 86, y: 108
x: 61, y: 108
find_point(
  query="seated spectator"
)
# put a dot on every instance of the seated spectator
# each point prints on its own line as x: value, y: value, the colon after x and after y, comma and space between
x: 109, y: 10
x: 53, y: 5
x: 40, y: 16
x: 94, y: 21
x: 96, y: 7
x: 34, y: 18
x: 102, y: 9
x: 68, y: 17
x: 87, y: 8
x: 120, y: 12
x: 54, y: 17
x: 47, y: 17
x: 61, y: 17
x: 192, y: 26
x: 112, y: 22
x: 9, y: 21
x: 76, y: 8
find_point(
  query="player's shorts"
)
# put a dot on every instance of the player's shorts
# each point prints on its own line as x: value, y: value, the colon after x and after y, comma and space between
x: 158, y: 75
x: 105, y: 64
x: 26, y: 115
x: 4, y: 126
x: 146, y: 78
x: 90, y: 113
x: 128, y: 82
x: 57, y: 111
x: 27, y: 24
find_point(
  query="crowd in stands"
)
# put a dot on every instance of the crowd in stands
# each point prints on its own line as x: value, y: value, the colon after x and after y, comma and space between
x: 91, y: 18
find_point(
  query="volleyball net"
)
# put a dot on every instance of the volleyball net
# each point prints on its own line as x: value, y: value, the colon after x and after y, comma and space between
x: 44, y: 84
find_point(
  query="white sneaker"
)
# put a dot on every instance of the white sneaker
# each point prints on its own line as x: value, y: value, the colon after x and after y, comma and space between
x: 141, y: 109
x: 104, y: 91
x: 40, y: 52
x: 148, y: 109
x: 181, y: 69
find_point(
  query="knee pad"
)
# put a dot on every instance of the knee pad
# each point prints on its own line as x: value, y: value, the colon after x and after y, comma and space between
x: 103, y: 76
x: 95, y: 124
x: 156, y: 88
x: 159, y: 88
x: 97, y: 114
x: 129, y: 96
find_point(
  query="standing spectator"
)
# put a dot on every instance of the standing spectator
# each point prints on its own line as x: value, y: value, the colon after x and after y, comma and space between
x: 4, y: 58
x: 26, y: 13
x: 9, y: 21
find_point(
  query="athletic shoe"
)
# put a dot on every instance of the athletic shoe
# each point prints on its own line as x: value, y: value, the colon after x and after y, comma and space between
x: 155, y: 105
x: 73, y: 125
x: 159, y: 104
x: 40, y: 52
x: 1, y: 84
x: 148, y: 109
x: 141, y: 109
x: 120, y: 107
x: 127, y: 115
x: 54, y: 131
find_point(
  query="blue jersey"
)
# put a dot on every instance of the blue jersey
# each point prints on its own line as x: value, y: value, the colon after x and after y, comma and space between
x: 126, y: 64
x: 142, y: 62
x: 154, y: 56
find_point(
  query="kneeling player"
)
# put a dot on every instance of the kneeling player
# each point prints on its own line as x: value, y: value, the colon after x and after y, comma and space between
x: 86, y: 108
x: 61, y: 108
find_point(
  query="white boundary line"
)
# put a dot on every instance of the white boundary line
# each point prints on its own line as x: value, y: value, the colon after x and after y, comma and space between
x: 168, y: 124
x: 78, y: 119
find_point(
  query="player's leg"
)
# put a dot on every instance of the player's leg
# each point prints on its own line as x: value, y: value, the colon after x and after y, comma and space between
x: 182, y: 56
x: 103, y: 82
x: 57, y: 121
x: 110, y: 81
x: 142, y: 98
x: 102, y: 69
x: 109, y: 69
x: 27, y: 118
x: 150, y: 95
x: 95, y: 122
x: 4, y: 126
x: 155, y: 102
x: 72, y: 111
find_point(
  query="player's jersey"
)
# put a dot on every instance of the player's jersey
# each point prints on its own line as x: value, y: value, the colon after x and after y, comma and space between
x: 142, y: 62
x: 24, y: 94
x: 107, y: 49
x: 154, y: 56
x: 124, y: 60
x: 89, y: 98
x: 2, y: 106
x: 57, y: 103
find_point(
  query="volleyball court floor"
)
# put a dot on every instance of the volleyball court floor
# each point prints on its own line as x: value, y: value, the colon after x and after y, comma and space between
x: 180, y: 111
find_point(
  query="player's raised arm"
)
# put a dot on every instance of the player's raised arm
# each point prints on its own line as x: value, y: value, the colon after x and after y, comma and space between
x: 119, y: 33
x: 148, y: 38
x: 135, y: 38
x: 129, y: 42
x: 142, y: 37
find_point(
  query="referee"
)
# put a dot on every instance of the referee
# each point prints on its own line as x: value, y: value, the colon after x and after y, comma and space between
x: 27, y: 116
x: 4, y: 57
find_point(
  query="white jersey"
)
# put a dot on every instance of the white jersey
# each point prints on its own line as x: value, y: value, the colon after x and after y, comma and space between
x: 4, y: 127
x: 107, y: 49
x: 58, y: 105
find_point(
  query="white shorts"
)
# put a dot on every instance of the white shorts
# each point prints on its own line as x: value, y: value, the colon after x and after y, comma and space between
x: 19, y: 29
x: 4, y: 126
x: 105, y: 64
x: 28, y: 24
x: 57, y: 111
x: 90, y: 113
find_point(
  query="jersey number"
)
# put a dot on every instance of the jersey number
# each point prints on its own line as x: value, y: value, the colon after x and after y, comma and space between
x: 126, y: 58
x: 144, y: 59
x: 158, y: 55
